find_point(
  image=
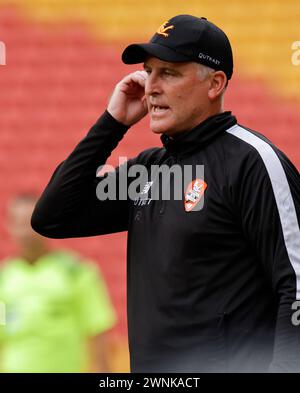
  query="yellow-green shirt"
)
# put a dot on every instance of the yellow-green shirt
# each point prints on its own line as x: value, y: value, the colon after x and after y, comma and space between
x: 52, y: 307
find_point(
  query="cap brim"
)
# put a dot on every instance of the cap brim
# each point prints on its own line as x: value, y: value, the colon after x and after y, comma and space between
x: 137, y: 53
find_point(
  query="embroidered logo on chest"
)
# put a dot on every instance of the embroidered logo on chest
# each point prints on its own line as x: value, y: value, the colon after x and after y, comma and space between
x: 193, y: 194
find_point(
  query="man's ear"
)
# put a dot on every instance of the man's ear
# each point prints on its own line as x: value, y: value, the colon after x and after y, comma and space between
x: 218, y: 83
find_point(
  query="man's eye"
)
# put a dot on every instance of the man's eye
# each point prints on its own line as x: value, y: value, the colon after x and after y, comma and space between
x: 148, y: 71
x: 169, y: 72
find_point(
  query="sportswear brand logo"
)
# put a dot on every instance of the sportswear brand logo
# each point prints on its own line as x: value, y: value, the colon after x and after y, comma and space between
x: 207, y: 57
x: 162, y: 30
x: 142, y: 200
x: 147, y: 187
x: 194, y: 193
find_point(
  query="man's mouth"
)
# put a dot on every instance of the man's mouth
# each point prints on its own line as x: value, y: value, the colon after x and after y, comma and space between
x: 157, y: 109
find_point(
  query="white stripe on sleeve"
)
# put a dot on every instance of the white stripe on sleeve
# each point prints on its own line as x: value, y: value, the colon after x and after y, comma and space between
x: 283, y: 197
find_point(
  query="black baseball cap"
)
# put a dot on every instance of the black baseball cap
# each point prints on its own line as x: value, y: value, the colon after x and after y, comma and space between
x: 186, y: 38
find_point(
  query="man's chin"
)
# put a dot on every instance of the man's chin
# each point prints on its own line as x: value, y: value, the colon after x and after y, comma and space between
x: 159, y: 127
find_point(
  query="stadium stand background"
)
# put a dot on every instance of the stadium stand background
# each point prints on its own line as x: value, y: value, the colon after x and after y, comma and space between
x: 63, y: 59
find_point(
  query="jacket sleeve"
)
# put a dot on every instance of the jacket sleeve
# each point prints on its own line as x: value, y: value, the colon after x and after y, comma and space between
x: 269, y: 207
x: 69, y: 206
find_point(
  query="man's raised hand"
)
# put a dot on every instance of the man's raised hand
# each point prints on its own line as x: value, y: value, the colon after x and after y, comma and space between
x: 128, y: 103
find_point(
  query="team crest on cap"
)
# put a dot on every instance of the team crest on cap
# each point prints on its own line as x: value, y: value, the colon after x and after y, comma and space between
x: 194, y: 193
x: 163, y: 29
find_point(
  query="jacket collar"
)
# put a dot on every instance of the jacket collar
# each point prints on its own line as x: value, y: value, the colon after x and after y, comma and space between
x: 199, y: 136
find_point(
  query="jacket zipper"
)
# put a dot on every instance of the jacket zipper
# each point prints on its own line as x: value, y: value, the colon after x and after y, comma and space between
x: 163, y: 202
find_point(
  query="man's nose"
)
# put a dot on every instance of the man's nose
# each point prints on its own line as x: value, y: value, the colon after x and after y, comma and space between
x: 152, y: 85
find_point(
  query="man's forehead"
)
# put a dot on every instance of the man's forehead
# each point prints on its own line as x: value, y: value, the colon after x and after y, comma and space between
x: 152, y: 61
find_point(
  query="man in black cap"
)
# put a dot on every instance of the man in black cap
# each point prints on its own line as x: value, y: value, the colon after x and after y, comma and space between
x: 212, y: 286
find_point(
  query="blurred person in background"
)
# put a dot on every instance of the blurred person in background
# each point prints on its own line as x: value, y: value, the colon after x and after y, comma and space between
x: 57, y: 306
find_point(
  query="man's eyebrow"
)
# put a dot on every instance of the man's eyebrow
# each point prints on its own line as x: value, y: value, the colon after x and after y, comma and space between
x: 162, y: 67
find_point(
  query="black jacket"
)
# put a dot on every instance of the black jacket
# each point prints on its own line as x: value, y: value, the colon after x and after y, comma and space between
x: 208, y: 290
